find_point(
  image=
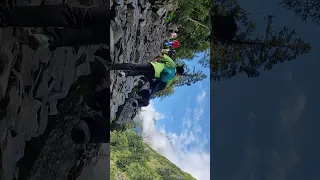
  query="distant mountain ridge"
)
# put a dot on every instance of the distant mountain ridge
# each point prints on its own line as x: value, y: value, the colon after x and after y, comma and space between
x: 132, y: 159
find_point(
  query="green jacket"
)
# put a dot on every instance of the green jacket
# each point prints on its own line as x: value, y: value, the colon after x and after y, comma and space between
x: 159, y: 66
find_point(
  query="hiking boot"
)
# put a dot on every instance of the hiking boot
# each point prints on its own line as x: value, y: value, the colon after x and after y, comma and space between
x: 39, y: 41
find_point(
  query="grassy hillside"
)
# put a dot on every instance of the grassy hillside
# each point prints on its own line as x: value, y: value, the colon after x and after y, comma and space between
x: 132, y: 159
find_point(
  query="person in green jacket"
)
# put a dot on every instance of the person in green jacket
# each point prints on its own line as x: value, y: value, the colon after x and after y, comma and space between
x: 152, y: 70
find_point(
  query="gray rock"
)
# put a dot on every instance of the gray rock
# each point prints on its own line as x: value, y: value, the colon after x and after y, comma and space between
x: 117, y: 30
x: 27, y: 66
x: 111, y: 3
x: 4, y: 125
x: 43, y: 119
x: 119, y: 2
x: 15, y: 102
x: 128, y: 1
x: 69, y: 72
x: 143, y: 23
x: 112, y: 43
x: 43, y: 89
x: 6, y: 57
x: 43, y: 55
x: 135, y: 49
x: 26, y: 121
x: 12, y: 151
x: 136, y: 38
x: 53, y: 107
x: 142, y: 3
x: 161, y: 12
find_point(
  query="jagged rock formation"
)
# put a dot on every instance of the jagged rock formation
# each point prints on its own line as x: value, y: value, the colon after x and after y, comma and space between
x: 31, y: 86
x: 138, y: 38
x: 39, y: 85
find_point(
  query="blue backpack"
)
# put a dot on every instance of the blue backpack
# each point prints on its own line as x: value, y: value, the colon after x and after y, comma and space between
x: 167, y: 74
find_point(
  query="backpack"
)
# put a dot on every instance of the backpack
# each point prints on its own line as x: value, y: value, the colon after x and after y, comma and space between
x: 167, y: 74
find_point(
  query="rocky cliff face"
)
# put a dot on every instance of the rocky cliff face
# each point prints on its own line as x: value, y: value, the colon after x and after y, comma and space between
x: 32, y: 84
x: 38, y: 83
x: 138, y: 33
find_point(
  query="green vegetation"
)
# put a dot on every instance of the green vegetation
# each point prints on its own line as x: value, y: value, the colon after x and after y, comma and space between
x: 192, y: 19
x: 188, y: 79
x: 304, y: 9
x: 132, y: 159
x: 248, y: 53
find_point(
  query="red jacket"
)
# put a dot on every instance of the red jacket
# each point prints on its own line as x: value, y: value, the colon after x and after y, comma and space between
x: 175, y: 44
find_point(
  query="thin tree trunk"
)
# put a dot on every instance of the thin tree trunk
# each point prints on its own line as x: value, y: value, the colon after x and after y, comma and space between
x: 198, y: 23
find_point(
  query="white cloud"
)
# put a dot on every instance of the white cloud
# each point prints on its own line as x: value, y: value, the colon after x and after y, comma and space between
x: 292, y: 113
x: 187, y: 119
x: 201, y: 96
x: 186, y: 149
x: 198, y: 129
x: 198, y: 112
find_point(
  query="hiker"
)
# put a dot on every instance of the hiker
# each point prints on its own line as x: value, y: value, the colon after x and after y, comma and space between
x: 174, y: 35
x: 170, y: 52
x: 81, y: 25
x: 161, y: 67
x: 174, y: 44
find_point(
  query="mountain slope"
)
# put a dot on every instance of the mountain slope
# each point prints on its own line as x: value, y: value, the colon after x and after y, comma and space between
x: 132, y: 159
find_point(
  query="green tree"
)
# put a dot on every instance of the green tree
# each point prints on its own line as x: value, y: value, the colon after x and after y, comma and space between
x: 118, y: 140
x: 308, y: 9
x: 137, y: 171
x: 193, y: 39
x: 189, y: 78
x: 250, y: 54
x: 192, y: 18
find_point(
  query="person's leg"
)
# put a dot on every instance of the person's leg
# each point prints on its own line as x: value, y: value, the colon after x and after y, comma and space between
x: 143, y: 102
x: 133, y: 73
x: 146, y: 70
x: 62, y: 15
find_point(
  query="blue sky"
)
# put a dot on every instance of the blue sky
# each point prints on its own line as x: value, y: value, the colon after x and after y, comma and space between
x: 181, y: 130
x: 268, y: 127
x: 185, y: 97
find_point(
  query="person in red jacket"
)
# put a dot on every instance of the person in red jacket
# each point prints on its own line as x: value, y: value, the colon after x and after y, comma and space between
x: 175, y: 44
